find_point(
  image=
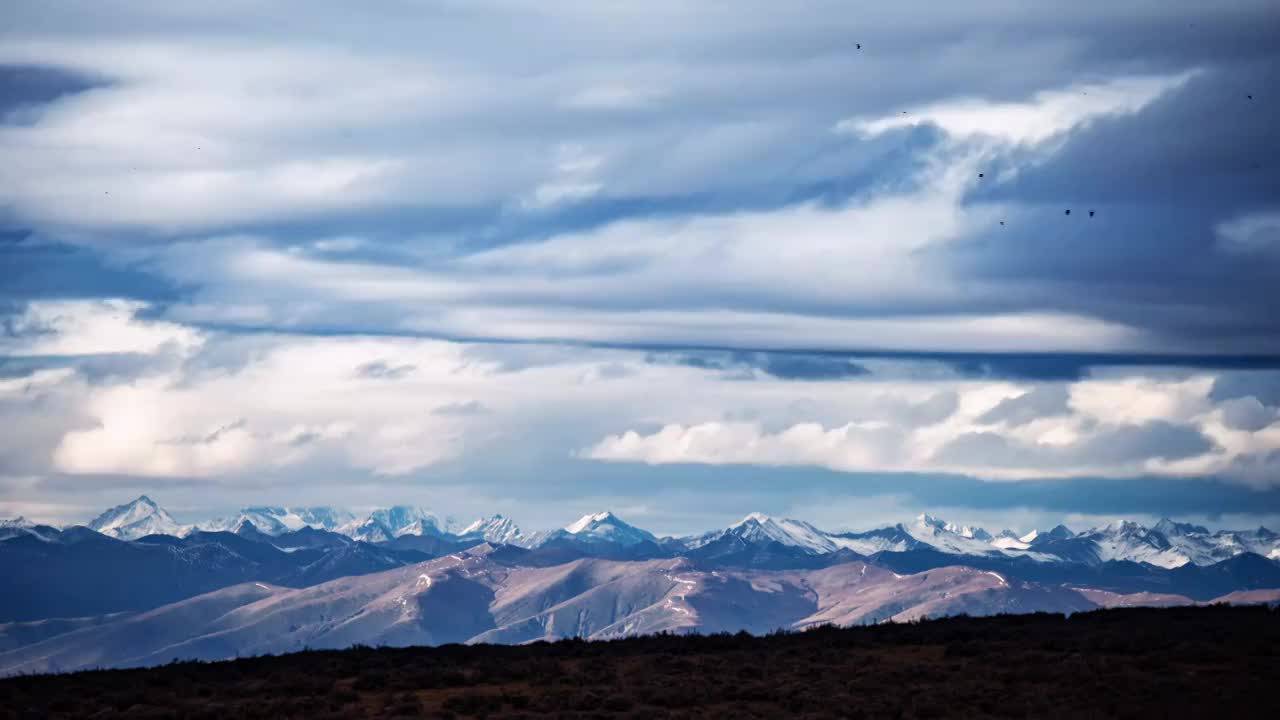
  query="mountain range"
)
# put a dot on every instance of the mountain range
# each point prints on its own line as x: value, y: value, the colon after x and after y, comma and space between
x: 1168, y: 544
x: 479, y: 596
x: 134, y: 586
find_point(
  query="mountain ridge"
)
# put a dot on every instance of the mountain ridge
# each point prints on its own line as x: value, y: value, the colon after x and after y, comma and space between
x: 1167, y: 544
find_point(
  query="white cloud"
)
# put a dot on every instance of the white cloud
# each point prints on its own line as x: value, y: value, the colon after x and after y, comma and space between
x: 1166, y: 428
x: 92, y: 327
x: 299, y: 400
x: 1251, y: 234
x: 1046, y: 114
x: 573, y: 179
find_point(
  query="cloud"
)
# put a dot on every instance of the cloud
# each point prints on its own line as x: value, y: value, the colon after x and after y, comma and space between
x: 1044, y: 401
x: 1251, y: 234
x: 1112, y: 427
x: 380, y: 370
x: 460, y: 409
x: 1046, y: 114
x: 1247, y: 414
x: 784, y: 366
x: 298, y: 399
x: 429, y: 254
x: 656, y: 222
x: 1263, y: 386
x: 91, y: 327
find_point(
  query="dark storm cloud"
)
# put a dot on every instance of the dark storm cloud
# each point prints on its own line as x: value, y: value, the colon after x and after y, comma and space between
x: 1161, y: 181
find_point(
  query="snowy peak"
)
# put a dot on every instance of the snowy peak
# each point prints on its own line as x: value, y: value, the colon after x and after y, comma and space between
x: 494, y: 529
x: 279, y: 520
x: 958, y: 539
x: 387, y: 524
x: 137, y: 519
x: 758, y: 528
x: 407, y: 520
x: 1009, y: 540
x: 1060, y: 532
x: 586, y: 522
x: 927, y: 520
x: 22, y: 526
x: 605, y: 527
x: 964, y: 531
x: 1170, y: 528
x: 1128, y: 540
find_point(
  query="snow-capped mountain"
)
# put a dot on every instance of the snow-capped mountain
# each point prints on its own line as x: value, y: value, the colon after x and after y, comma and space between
x: 280, y: 520
x: 956, y: 540
x: 1168, y: 544
x: 1058, y: 533
x: 22, y: 526
x: 137, y: 519
x: 495, y: 529
x: 1202, y: 547
x: 603, y: 528
x: 387, y: 524
x: 966, y: 531
x: 760, y: 528
x: 1128, y: 540
x: 1009, y: 540
x: 9, y: 528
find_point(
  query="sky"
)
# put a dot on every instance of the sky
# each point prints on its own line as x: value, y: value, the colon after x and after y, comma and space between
x: 843, y: 261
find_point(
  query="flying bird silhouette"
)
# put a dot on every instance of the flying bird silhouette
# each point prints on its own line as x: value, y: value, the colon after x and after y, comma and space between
x: 1090, y: 213
x: 1068, y: 212
x: 859, y: 45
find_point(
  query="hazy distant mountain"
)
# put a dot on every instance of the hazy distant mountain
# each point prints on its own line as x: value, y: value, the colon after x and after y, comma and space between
x: 393, y: 522
x: 277, y: 520
x: 137, y: 519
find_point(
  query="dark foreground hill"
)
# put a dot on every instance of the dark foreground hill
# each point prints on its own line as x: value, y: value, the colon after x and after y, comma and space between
x: 1213, y: 661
